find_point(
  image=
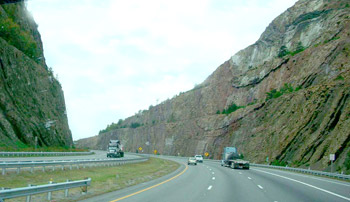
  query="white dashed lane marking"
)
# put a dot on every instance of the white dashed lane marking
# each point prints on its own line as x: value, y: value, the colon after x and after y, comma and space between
x: 209, y: 188
x: 213, y: 178
x: 260, y: 187
x: 249, y: 178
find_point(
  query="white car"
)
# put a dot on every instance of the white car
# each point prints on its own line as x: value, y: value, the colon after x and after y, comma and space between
x: 192, y: 161
x: 199, y: 158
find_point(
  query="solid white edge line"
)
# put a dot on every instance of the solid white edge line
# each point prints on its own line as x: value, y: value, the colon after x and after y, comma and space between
x: 209, y: 188
x: 312, y: 186
x: 316, y: 178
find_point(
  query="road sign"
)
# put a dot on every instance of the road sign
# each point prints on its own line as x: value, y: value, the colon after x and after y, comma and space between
x: 140, y: 148
x: 332, y: 157
x: 155, y: 151
x: 206, y: 154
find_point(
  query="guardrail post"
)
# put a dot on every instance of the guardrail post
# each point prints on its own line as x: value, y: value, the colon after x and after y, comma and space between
x: 49, y: 193
x: 3, y: 171
x: 66, y: 191
x: 29, y: 197
x: 32, y: 169
x: 43, y: 168
x: 62, y: 167
x: 18, y: 170
x: 84, y: 189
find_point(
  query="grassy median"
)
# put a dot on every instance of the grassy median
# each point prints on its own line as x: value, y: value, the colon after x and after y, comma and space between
x: 104, y: 179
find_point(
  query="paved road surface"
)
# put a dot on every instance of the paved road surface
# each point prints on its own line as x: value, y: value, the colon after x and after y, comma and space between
x: 97, y: 155
x: 208, y: 182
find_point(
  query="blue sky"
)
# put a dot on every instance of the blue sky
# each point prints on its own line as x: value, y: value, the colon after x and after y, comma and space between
x: 114, y: 58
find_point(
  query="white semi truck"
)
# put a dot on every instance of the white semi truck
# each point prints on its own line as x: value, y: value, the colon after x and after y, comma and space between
x: 115, y: 149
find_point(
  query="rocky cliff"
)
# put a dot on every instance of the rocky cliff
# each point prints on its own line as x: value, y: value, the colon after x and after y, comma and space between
x: 285, y: 97
x: 31, y: 99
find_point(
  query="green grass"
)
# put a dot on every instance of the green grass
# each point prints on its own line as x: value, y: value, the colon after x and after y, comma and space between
x: 103, y: 179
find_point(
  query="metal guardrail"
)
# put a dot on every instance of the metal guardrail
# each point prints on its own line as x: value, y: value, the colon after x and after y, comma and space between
x: 48, y: 188
x: 8, y: 154
x: 312, y: 172
x: 62, y: 163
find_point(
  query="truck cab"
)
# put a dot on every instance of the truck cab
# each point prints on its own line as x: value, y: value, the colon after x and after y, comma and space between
x: 115, y: 149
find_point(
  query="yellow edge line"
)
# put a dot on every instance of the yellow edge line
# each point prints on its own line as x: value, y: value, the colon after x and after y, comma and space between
x: 127, y: 196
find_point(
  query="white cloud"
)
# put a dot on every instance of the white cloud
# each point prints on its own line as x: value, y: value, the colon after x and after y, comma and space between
x: 116, y: 57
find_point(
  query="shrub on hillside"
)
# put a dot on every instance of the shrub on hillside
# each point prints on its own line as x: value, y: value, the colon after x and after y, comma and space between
x: 22, y: 40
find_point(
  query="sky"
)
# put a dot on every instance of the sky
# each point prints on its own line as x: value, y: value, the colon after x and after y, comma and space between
x: 114, y: 58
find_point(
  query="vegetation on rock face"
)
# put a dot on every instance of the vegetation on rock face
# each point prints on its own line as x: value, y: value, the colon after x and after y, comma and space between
x: 114, y: 126
x: 233, y: 107
x: 278, y: 163
x: 19, y: 38
x: 135, y: 125
x: 287, y: 88
x: 347, y: 161
x: 284, y: 50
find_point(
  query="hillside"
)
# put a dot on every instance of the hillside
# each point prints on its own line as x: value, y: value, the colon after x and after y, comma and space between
x: 285, y: 97
x: 31, y: 99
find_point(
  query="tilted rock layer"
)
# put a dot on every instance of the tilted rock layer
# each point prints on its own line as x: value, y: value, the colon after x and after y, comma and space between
x: 31, y: 99
x: 305, y: 50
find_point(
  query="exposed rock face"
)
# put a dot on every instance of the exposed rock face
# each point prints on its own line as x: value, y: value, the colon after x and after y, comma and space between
x: 31, y: 99
x: 308, y: 46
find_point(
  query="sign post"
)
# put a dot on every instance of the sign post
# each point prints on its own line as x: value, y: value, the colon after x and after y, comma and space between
x: 332, y: 158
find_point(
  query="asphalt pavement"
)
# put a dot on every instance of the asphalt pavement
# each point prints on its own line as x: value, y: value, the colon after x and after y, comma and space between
x: 97, y: 155
x: 209, y: 182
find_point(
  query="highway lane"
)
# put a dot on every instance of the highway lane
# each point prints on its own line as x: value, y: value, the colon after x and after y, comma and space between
x: 98, y: 155
x: 211, y: 182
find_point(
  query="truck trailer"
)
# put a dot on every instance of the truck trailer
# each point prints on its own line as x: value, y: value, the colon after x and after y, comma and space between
x: 231, y: 158
x: 115, y: 149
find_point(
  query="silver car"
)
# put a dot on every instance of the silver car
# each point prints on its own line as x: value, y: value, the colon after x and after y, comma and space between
x: 192, y: 161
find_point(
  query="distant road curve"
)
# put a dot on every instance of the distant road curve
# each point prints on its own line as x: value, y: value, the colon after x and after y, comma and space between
x: 98, y: 155
x: 209, y: 182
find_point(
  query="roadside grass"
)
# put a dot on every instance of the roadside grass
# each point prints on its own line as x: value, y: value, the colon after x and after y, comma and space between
x: 103, y: 179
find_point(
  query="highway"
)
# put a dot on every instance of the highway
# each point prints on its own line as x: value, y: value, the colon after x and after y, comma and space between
x: 98, y: 155
x: 209, y: 182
